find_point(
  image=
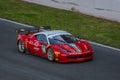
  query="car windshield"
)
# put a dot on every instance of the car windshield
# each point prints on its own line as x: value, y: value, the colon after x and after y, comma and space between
x: 62, y: 39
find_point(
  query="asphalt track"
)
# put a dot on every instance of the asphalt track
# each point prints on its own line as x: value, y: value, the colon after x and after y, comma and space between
x: 17, y: 66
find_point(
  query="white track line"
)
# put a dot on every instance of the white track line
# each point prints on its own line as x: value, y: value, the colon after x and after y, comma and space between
x: 15, y: 22
x: 113, y: 48
x: 89, y: 41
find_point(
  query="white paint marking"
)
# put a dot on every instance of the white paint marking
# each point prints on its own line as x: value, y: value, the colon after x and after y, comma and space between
x: 16, y: 22
x: 104, y: 46
x: 89, y: 41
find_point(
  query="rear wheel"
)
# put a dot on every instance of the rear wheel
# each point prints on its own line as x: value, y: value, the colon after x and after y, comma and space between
x: 21, y: 46
x: 50, y: 54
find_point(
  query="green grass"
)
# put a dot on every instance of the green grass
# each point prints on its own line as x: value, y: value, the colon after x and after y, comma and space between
x: 88, y: 27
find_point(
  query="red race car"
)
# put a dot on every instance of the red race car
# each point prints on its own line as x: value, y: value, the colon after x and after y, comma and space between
x: 56, y: 45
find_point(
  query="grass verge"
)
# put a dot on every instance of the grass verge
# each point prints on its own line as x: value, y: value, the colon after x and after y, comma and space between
x: 88, y: 27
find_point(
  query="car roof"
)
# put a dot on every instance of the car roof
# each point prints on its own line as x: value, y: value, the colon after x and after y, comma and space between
x: 53, y: 33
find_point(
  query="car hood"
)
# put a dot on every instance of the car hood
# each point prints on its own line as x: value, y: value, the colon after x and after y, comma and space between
x: 77, y: 47
x: 72, y: 48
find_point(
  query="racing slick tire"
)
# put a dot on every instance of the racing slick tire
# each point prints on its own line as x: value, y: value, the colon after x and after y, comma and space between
x: 21, y: 46
x: 50, y: 54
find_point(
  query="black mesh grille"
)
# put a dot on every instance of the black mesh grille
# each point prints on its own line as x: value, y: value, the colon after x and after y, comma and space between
x: 80, y: 56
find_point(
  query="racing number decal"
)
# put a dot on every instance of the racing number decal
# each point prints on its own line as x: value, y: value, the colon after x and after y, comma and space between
x: 43, y: 48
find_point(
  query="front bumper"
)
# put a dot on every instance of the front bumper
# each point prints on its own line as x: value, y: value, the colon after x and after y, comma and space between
x: 80, y: 57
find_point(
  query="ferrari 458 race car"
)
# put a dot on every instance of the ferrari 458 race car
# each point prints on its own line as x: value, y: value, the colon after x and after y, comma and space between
x: 56, y: 45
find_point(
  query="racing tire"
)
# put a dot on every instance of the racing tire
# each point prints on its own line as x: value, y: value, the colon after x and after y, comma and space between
x: 50, y: 54
x: 21, y: 46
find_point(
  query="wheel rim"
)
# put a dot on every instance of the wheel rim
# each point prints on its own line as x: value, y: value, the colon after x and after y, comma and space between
x: 21, y: 46
x: 50, y: 54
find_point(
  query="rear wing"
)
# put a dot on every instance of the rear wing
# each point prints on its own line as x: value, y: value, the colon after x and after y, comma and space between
x: 33, y: 30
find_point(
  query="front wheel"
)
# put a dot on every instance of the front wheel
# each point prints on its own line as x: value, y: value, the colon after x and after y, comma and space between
x: 50, y: 54
x: 21, y: 46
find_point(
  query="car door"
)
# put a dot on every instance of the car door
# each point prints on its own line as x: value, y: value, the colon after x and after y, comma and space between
x: 40, y: 44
